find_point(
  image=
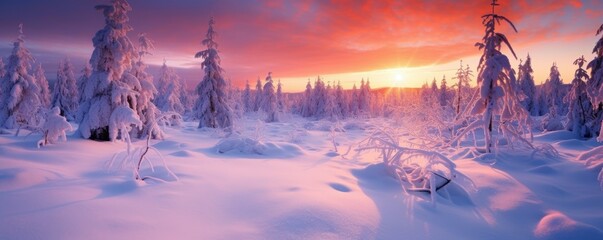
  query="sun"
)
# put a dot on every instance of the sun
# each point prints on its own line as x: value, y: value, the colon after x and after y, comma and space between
x: 398, y: 78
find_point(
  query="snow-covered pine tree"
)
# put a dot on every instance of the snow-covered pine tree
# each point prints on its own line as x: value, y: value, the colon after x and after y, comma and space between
x: 20, y: 99
x: 580, y: 114
x: 443, y: 96
x: 498, y: 103
x: 341, y: 101
x: 595, y: 84
x: 145, y: 108
x: 212, y: 106
x: 319, y: 98
x: 81, y: 81
x: 258, y: 95
x: 434, y: 88
x: 331, y: 110
x: 528, y: 87
x: 365, y: 97
x: 113, y: 86
x: 187, y: 97
x: 2, y: 74
x: 269, y: 105
x: 279, y: 97
x: 307, y: 106
x: 40, y: 77
x: 2, y: 70
x: 234, y: 101
x: 169, y: 91
x: 65, y: 93
x: 353, y: 102
x: 247, y: 98
x: 553, y: 92
x: 463, y: 75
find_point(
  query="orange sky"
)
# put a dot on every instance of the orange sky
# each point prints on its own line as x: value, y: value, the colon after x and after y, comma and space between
x: 402, y: 43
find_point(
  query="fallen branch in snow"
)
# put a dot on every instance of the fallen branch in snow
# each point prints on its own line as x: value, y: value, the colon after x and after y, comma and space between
x: 417, y: 170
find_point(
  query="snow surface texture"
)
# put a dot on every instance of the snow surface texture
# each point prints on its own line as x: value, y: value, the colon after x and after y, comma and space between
x: 301, y: 191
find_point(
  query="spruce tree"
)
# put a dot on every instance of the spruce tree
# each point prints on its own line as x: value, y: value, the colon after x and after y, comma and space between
x: 65, y: 93
x: 212, y: 106
x: 40, y: 77
x: 498, y: 103
x: 269, y: 105
x: 20, y: 100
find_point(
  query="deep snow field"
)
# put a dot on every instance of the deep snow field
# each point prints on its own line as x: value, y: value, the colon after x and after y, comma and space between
x: 290, y: 185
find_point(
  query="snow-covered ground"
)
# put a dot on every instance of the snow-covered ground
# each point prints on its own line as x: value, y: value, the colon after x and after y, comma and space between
x: 284, y: 180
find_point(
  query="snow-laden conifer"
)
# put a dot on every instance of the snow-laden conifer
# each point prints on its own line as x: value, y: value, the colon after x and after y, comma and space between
x: 169, y: 91
x: 580, y: 114
x: 246, y: 97
x: 497, y: 104
x: 65, y: 94
x: 257, y: 100
x: 528, y: 87
x: 595, y: 84
x: 109, y: 85
x: 269, y: 105
x: 279, y: 97
x: 443, y: 93
x: 211, y: 106
x: 553, y: 92
x: 146, y: 91
x: 20, y: 100
x: 2, y: 69
x: 40, y: 77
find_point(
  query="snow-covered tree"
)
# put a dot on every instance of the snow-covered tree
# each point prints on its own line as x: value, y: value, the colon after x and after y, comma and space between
x: 40, y: 77
x: 169, y: 91
x: 2, y: 69
x: 258, y: 95
x: 580, y: 114
x: 553, y: 92
x: 319, y: 98
x: 65, y: 93
x: 443, y: 93
x: 20, y: 100
x: 307, y: 106
x: 364, y: 96
x: 187, y: 97
x: 463, y: 75
x: 434, y: 88
x: 145, y: 108
x: 269, y: 105
x: 113, y: 84
x: 353, y: 102
x: 247, y: 98
x: 54, y: 127
x: 212, y: 105
x: 81, y: 81
x: 341, y: 101
x: 279, y: 97
x: 528, y: 87
x: 331, y: 110
x: 552, y: 121
x: 498, y: 104
x: 595, y: 84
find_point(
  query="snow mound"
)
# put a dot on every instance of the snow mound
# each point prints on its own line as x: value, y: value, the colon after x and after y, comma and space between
x: 556, y: 225
x: 20, y: 178
x: 245, y: 146
x: 323, y: 126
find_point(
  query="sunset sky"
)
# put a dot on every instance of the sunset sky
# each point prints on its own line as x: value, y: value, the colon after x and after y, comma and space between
x: 394, y: 43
